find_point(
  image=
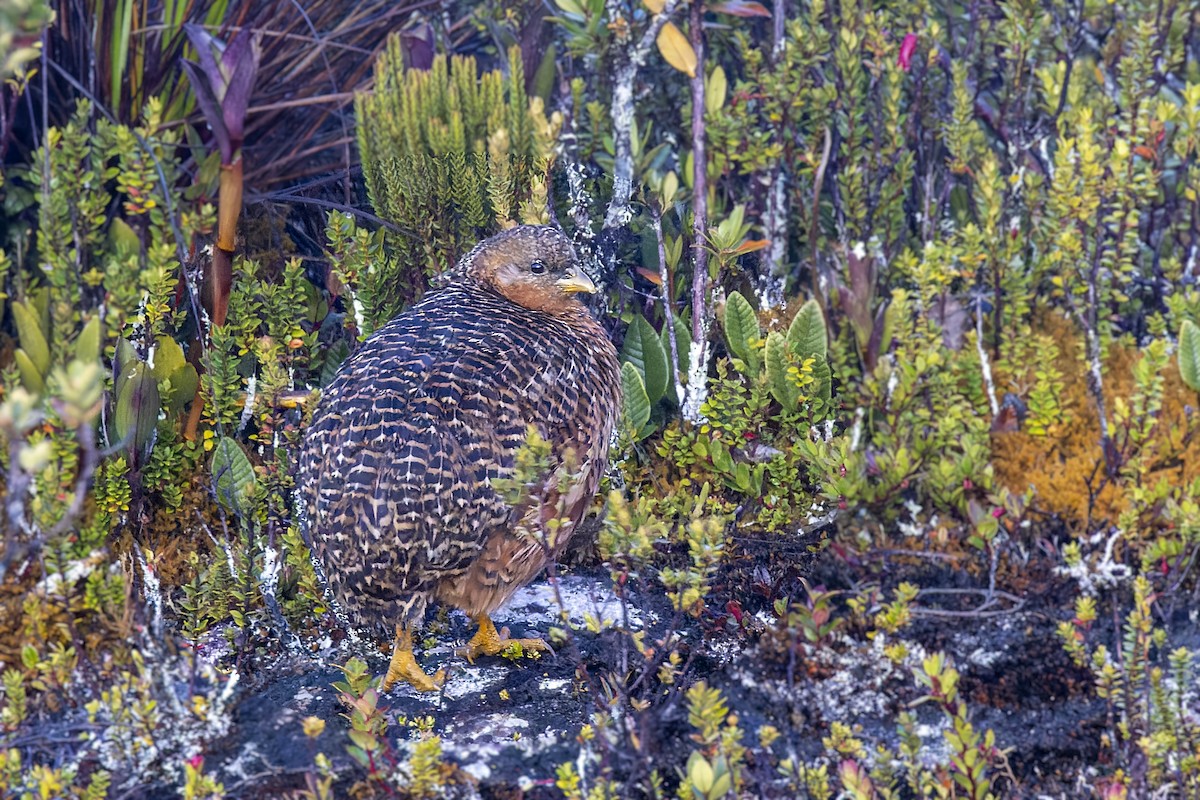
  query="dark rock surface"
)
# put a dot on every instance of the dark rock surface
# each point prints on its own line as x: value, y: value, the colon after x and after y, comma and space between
x: 509, y: 726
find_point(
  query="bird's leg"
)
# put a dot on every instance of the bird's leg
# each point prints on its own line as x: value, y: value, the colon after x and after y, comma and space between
x: 487, y: 641
x: 404, y: 666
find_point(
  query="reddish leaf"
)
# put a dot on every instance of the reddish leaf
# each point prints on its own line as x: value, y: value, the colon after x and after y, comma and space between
x: 741, y: 8
x: 1006, y: 421
x: 907, y: 48
x: 749, y: 247
x: 650, y: 275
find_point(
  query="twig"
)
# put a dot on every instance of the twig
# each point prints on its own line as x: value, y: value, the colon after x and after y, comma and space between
x: 668, y: 313
x: 991, y: 596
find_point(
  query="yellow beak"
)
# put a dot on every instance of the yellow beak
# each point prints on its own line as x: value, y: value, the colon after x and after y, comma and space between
x: 577, y: 281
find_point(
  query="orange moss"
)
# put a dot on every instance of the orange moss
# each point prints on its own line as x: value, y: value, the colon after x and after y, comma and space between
x: 1061, y: 465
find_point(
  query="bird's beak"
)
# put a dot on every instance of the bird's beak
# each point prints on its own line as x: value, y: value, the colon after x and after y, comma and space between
x: 577, y: 281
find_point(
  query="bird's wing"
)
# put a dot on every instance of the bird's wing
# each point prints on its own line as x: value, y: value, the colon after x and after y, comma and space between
x: 398, y: 476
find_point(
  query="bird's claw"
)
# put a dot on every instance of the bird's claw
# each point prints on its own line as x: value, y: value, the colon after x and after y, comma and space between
x: 415, y: 677
x: 489, y: 642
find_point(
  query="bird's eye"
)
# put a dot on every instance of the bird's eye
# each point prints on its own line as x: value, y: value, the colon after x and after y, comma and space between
x: 537, y: 268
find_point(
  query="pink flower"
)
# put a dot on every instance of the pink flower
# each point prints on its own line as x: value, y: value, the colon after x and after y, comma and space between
x: 196, y: 761
x: 907, y: 48
x: 997, y: 513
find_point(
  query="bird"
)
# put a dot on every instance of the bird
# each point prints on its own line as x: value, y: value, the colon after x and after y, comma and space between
x: 403, y: 464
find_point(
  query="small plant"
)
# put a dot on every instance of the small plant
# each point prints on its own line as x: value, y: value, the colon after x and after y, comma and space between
x: 713, y: 771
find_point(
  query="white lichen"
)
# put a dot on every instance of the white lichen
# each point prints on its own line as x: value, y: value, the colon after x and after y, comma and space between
x: 697, y: 382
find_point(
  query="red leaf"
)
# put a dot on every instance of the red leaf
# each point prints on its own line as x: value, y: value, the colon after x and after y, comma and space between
x: 741, y: 8
x: 907, y: 48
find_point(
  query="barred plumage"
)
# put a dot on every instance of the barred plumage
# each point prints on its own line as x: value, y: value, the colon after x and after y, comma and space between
x: 398, y: 466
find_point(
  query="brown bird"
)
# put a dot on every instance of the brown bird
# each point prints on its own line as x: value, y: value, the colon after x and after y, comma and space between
x: 399, y: 468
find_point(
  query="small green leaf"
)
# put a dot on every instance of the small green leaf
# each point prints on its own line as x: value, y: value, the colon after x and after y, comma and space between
x: 183, y: 388
x: 700, y: 773
x: 547, y: 72
x: 168, y: 358
x: 232, y: 474
x: 782, y: 387
x: 644, y: 350
x: 683, y: 340
x: 721, y: 459
x: 31, y: 378
x: 122, y: 358
x: 87, y: 344
x: 807, y: 334
x: 33, y: 341
x: 714, y: 91
x: 1189, y: 354
x: 123, y: 239
x: 635, y: 408
x: 741, y: 329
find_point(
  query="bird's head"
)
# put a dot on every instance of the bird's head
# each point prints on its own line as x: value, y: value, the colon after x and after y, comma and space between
x: 532, y: 265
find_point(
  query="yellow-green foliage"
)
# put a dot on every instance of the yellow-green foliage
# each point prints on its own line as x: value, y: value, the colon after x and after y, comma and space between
x: 1145, y: 687
x: 449, y: 156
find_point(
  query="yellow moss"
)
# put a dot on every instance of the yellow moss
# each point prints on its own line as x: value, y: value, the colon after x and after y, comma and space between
x: 1060, y: 466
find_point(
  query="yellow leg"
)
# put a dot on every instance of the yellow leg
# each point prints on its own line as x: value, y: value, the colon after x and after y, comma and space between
x: 404, y: 666
x: 487, y: 641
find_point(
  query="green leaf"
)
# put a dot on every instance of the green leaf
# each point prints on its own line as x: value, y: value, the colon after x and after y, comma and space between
x: 31, y: 377
x: 183, y: 388
x: 123, y: 239
x: 683, y: 340
x: 33, y: 341
x: 741, y: 329
x: 138, y: 404
x: 645, y: 351
x: 722, y: 460
x: 232, y: 474
x: 122, y: 358
x: 714, y: 91
x: 87, y: 344
x: 782, y: 387
x: 807, y: 334
x: 1189, y: 354
x: 168, y: 358
x: 545, y: 75
x: 635, y: 405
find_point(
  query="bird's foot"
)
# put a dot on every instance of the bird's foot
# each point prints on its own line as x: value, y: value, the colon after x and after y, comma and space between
x: 404, y: 667
x: 487, y: 641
